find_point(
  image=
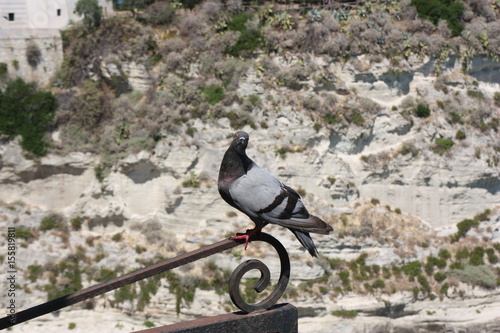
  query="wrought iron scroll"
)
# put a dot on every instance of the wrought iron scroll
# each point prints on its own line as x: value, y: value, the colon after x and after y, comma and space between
x: 265, y: 278
x: 183, y: 259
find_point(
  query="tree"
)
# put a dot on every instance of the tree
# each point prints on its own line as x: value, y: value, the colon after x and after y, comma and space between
x: 132, y: 5
x: 159, y: 13
x: 190, y: 4
x: 435, y: 10
x: 27, y: 112
x: 91, y: 12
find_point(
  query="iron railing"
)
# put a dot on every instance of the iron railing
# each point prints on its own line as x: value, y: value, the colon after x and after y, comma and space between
x: 183, y: 259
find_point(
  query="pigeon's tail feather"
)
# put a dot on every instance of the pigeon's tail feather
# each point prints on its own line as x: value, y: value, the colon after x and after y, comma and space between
x: 312, y: 224
x: 306, y: 241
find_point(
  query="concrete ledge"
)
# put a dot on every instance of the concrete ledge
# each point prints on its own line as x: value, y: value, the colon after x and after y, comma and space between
x: 280, y: 318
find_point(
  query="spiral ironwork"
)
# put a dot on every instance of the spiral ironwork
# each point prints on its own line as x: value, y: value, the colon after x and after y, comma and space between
x: 180, y: 260
x: 265, y: 278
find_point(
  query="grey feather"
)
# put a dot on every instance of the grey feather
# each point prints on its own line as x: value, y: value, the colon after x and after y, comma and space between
x: 254, y: 191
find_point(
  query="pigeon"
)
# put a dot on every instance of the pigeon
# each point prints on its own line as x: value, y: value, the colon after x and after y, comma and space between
x: 263, y: 198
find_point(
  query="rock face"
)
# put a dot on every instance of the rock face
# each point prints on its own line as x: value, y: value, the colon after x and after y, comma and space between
x: 442, y: 190
x: 169, y: 195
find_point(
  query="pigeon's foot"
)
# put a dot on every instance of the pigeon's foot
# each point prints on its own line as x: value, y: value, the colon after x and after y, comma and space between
x: 246, y: 236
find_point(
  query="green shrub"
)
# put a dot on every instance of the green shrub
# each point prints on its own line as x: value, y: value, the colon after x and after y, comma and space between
x: 496, y: 98
x: 409, y: 148
x: 24, y: 233
x: 4, y: 70
x: 99, y: 172
x: 444, y: 288
x: 140, y: 249
x: 126, y: 293
x: 192, y: 181
x: 248, y: 41
x: 105, y: 274
x: 76, y: 223
x: 424, y: 283
x: 492, y: 257
x: 184, y: 288
x: 396, y: 271
x: 455, y: 118
x: 191, y: 131
x: 238, y: 119
x: 444, y: 254
x: 475, y: 94
x: 436, y: 10
x: 117, y: 237
x: 481, y: 275
x: 34, y: 272
x: 52, y: 221
x: 462, y: 253
x: 213, y: 94
x: 90, y: 106
x: 412, y: 269
x: 91, y: 12
x: 460, y: 135
x: 357, y: 118
x: 330, y: 118
x: 438, y: 262
x: 463, y: 227
x: 476, y: 256
x: 69, y: 269
x: 442, y: 145
x: 254, y: 99
x: 439, y: 276
x: 386, y: 272
x: 344, y: 278
x: 378, y: 284
x: 484, y: 216
x: 422, y: 111
x: 346, y: 314
x: 27, y: 112
x: 457, y: 265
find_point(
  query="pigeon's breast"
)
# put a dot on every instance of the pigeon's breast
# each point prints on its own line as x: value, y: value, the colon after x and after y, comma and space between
x: 255, y: 190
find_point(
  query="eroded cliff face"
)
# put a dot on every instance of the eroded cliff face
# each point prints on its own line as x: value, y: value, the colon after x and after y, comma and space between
x: 368, y: 161
x: 167, y: 200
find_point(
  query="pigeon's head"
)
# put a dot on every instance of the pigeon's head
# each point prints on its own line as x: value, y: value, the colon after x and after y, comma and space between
x: 240, y: 141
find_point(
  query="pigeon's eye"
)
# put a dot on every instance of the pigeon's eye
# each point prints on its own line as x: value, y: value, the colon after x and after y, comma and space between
x: 235, y: 135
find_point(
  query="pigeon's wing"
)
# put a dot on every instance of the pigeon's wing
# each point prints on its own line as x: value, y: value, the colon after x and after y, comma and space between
x: 292, y: 213
x: 261, y: 195
x: 255, y: 190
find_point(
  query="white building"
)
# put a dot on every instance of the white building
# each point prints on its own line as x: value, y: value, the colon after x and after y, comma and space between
x: 41, y: 14
x: 35, y: 24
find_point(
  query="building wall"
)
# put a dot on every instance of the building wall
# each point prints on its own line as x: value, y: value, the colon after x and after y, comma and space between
x: 26, y: 24
x: 14, y: 50
x: 42, y: 14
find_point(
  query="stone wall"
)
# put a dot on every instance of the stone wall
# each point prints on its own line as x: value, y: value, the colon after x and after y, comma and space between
x: 31, y: 56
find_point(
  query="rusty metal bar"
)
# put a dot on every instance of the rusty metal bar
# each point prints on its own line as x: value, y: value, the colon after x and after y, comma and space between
x: 116, y: 283
x: 172, y: 263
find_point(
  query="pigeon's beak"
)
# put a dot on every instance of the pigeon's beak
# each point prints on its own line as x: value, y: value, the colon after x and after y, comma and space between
x: 242, y: 141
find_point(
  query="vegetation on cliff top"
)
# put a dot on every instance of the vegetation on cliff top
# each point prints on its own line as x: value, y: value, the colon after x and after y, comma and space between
x: 196, y: 53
